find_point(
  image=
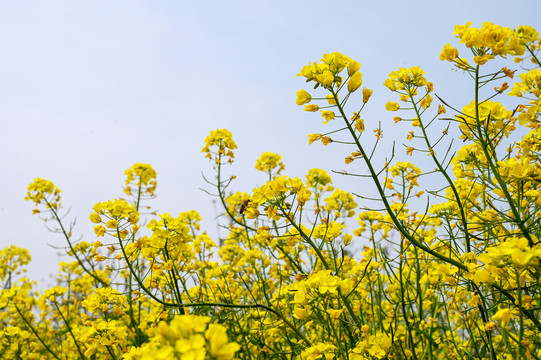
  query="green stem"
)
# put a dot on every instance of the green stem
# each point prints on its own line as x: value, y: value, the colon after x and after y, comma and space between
x: 69, y: 330
x: 36, y: 333
x: 381, y: 192
x: 486, y: 145
x: 57, y: 218
x: 444, y: 173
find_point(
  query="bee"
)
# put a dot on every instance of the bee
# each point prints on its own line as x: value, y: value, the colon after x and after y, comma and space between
x: 243, y: 206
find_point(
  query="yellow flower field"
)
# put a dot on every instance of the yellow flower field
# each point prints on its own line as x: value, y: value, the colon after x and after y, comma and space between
x: 452, y: 269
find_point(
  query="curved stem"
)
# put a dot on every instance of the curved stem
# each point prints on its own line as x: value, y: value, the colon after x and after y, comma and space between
x: 383, y: 198
x: 59, y: 221
x: 35, y: 332
x: 445, y: 175
x: 69, y: 330
x: 486, y: 145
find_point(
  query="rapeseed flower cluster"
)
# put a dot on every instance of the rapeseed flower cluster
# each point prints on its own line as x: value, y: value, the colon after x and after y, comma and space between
x: 454, y: 278
x: 482, y: 234
x: 223, y: 140
x: 43, y: 191
x: 269, y: 162
x: 140, y: 176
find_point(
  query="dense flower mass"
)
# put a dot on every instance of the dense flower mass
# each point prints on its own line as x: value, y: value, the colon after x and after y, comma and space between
x: 12, y: 259
x: 187, y: 337
x: 436, y: 259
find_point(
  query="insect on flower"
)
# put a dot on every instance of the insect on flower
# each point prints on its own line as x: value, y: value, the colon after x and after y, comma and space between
x: 243, y: 206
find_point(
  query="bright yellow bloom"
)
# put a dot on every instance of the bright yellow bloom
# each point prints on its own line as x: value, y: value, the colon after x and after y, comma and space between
x: 504, y: 315
x: 99, y: 230
x: 335, y: 314
x: 353, y: 67
x: 317, y: 351
x: 359, y: 125
x: 355, y: 82
x: 491, y: 39
x: 392, y: 106
x: 219, y: 345
x: 326, y: 78
x: 441, y: 110
x: 270, y: 161
x: 223, y: 140
x: 301, y: 313
x: 494, y: 117
x: 317, y: 177
x: 407, y: 79
x: 95, y: 218
x: 44, y: 191
x: 330, y: 99
x: 481, y: 60
x: 111, y: 224
x: 328, y: 115
x: 462, y: 63
x: 341, y: 201
x: 11, y: 258
x: 326, y: 140
x: 448, y: 53
x: 367, y: 93
x: 311, y: 107
x: 143, y: 177
x: 303, y: 195
x: 427, y: 100
x: 327, y: 72
x: 313, y: 137
x: 303, y: 97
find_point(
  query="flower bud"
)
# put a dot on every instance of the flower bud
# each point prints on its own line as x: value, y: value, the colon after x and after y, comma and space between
x: 366, y: 94
x: 95, y: 218
x: 392, y: 106
x: 355, y: 82
x: 311, y: 107
x: 330, y: 99
x: 353, y: 67
x: 303, y: 97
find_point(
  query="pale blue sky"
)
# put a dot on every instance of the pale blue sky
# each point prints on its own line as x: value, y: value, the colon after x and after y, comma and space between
x: 88, y: 88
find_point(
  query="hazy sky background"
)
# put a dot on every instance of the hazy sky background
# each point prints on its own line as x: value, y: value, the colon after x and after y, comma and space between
x: 88, y: 88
